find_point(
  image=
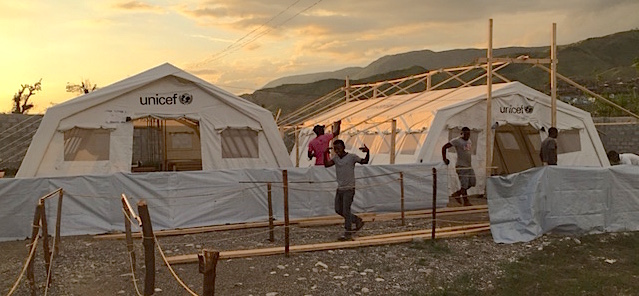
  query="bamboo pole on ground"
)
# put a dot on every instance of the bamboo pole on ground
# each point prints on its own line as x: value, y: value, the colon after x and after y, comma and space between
x: 286, y: 221
x: 56, y: 243
x: 207, y: 266
x: 45, y: 239
x: 401, y: 186
x: 271, y: 235
x: 129, y: 237
x: 149, y: 248
x: 34, y: 233
x: 434, y: 216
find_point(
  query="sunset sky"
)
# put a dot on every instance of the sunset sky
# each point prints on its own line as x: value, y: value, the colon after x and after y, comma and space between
x: 242, y: 45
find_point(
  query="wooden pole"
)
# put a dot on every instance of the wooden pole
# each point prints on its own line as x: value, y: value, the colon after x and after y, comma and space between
x: 207, y: 266
x: 149, y: 248
x: 56, y: 248
x: 347, y: 89
x: 392, y: 140
x: 297, y: 147
x: 434, y: 216
x: 34, y: 233
x: 45, y: 239
x: 286, y: 221
x: 429, y: 81
x: 401, y: 186
x: 271, y: 235
x: 553, y: 75
x: 129, y: 237
x: 489, y: 85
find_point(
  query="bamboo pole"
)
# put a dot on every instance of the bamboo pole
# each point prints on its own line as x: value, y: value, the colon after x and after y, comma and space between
x: 401, y: 186
x: 34, y: 233
x: 347, y: 89
x: 286, y: 221
x: 434, y: 216
x: 297, y: 147
x: 489, y: 85
x: 129, y: 237
x: 553, y: 75
x: 271, y: 235
x: 149, y: 248
x: 45, y: 239
x: 56, y: 249
x: 207, y: 266
x: 392, y: 140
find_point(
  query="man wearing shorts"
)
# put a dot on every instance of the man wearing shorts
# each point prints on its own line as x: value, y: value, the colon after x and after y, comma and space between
x: 465, y: 172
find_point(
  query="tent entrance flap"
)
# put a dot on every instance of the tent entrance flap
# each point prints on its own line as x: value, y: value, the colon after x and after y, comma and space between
x: 516, y: 148
x: 166, y: 145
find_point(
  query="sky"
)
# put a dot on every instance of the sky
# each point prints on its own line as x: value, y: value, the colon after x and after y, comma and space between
x: 240, y: 45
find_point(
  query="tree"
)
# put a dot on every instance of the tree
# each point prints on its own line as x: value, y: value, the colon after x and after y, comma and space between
x: 84, y: 88
x: 21, y: 99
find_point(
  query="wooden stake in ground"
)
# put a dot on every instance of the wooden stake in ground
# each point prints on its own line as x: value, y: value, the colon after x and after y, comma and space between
x: 271, y: 235
x: 286, y: 222
x: 45, y: 239
x: 434, y: 219
x: 129, y: 237
x: 401, y: 186
x: 56, y: 243
x: 149, y: 248
x: 34, y: 233
x: 208, y: 263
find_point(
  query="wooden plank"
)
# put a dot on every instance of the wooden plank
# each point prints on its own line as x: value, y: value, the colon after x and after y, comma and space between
x: 191, y: 258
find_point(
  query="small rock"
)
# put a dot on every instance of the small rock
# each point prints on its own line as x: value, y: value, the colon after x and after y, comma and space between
x: 338, y: 277
x: 286, y: 275
x: 577, y: 241
x: 344, y: 267
x: 272, y: 294
x: 273, y: 272
x: 313, y: 287
x: 369, y: 270
x: 158, y: 290
x: 315, y: 269
x: 189, y: 245
x: 320, y: 263
x: 198, y: 246
x: 121, y: 292
x: 379, y: 279
x: 301, y: 278
x: 365, y: 290
x: 238, y: 284
x: 362, y: 273
x: 281, y: 266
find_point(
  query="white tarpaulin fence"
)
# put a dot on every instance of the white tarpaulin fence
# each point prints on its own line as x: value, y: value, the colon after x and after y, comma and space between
x: 563, y: 200
x: 92, y: 204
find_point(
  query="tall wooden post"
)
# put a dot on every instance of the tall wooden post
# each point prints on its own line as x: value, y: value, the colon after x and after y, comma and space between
x: 34, y: 233
x: 56, y: 248
x: 129, y: 237
x: 347, y: 89
x: 297, y: 147
x: 45, y: 239
x: 429, y: 81
x: 149, y: 248
x: 401, y: 186
x: 392, y: 140
x: 271, y: 235
x: 489, y: 94
x: 207, y: 266
x: 434, y: 216
x: 553, y: 75
x: 286, y: 221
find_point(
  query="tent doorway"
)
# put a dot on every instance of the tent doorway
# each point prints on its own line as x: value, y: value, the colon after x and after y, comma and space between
x: 166, y: 145
x: 516, y: 148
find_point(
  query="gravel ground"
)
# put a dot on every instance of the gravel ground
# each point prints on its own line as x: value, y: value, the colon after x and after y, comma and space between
x: 88, y: 266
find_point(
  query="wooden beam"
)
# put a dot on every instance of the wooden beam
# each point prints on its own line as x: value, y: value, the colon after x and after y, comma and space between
x: 361, y: 242
x: 519, y: 60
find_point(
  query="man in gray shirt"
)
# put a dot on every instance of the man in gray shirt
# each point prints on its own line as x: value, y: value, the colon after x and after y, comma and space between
x: 465, y: 172
x: 345, y: 171
x: 548, y: 151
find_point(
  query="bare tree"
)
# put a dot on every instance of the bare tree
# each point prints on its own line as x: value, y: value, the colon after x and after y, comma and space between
x: 84, y: 88
x: 21, y: 99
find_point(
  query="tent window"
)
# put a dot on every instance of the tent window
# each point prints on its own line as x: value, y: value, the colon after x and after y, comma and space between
x: 386, y: 143
x: 181, y: 140
x: 239, y: 143
x: 568, y: 141
x: 535, y: 140
x: 82, y: 144
x: 456, y: 132
x: 411, y: 141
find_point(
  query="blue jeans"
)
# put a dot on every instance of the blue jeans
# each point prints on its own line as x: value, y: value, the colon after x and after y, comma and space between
x: 343, y: 202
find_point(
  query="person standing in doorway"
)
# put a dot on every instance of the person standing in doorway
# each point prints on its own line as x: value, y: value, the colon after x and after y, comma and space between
x: 318, y: 145
x: 463, y: 146
x: 344, y: 163
x: 548, y: 151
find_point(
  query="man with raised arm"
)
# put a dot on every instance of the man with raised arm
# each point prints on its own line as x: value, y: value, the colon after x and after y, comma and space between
x: 344, y: 163
x: 317, y: 146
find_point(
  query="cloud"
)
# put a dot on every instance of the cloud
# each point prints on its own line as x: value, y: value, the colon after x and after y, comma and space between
x: 138, y: 6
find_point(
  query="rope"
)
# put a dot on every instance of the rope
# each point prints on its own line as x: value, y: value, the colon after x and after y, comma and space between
x: 46, y: 285
x: 177, y: 278
x: 26, y: 264
x: 135, y: 281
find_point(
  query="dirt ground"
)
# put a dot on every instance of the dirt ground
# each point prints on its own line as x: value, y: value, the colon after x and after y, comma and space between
x: 88, y: 266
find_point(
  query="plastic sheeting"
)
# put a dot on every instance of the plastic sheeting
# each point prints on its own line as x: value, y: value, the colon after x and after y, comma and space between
x: 91, y: 204
x: 563, y: 200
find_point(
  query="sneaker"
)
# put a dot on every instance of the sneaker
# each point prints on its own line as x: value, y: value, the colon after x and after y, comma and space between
x: 344, y: 238
x: 359, y: 224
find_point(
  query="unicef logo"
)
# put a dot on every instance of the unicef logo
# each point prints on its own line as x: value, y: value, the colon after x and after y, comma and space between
x: 186, y: 98
x: 528, y: 109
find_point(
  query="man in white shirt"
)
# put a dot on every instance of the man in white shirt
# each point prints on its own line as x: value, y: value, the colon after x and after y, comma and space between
x: 623, y: 158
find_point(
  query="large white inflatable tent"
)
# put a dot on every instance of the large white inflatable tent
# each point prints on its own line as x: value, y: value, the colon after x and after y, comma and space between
x: 163, y: 119
x: 425, y: 121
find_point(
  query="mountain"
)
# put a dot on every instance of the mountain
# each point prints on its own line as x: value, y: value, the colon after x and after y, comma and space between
x: 592, y: 62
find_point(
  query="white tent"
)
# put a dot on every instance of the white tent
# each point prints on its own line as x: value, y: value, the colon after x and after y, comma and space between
x: 425, y: 121
x: 163, y: 119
